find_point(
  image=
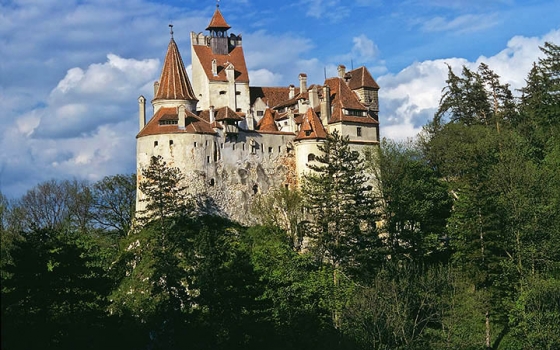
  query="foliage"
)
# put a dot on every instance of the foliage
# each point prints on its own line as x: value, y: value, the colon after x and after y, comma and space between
x: 415, y: 203
x: 114, y: 203
x: 282, y: 208
x: 338, y: 196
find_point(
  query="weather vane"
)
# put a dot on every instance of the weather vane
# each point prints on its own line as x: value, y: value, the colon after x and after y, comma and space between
x: 171, y: 30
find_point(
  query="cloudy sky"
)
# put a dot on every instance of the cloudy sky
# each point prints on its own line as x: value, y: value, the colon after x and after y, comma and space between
x: 71, y: 70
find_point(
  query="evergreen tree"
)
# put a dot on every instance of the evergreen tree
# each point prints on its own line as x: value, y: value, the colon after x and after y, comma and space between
x: 338, y: 197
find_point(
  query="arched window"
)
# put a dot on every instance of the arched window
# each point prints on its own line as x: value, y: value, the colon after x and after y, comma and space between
x: 155, y: 143
x: 255, y: 189
x: 310, y: 157
x: 212, y: 182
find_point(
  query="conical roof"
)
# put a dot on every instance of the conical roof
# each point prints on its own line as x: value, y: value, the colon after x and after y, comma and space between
x: 218, y: 21
x: 174, y: 83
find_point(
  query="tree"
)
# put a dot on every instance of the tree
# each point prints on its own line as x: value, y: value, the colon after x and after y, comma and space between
x: 162, y: 190
x: 415, y: 204
x: 56, y: 205
x: 338, y: 198
x: 114, y: 202
x: 282, y: 208
x: 55, y: 296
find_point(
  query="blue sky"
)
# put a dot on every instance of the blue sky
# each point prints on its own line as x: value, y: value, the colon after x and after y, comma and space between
x: 71, y: 71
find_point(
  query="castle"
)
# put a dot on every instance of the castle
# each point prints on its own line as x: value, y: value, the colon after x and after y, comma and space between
x: 232, y: 140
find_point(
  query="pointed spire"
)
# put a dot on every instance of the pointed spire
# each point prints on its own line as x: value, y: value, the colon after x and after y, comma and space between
x: 174, y: 83
x: 218, y: 21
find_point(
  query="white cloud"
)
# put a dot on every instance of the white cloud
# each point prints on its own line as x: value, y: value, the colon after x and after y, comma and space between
x: 264, y: 77
x: 461, y: 24
x: 410, y: 98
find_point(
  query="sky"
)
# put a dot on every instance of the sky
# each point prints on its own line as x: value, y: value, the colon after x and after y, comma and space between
x: 71, y: 71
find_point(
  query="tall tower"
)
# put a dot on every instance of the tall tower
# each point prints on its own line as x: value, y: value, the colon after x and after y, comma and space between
x: 219, y: 72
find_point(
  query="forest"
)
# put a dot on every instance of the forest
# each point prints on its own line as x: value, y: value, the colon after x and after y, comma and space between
x: 453, y: 242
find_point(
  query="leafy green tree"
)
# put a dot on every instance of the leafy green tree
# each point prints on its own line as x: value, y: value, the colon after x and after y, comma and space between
x: 114, y: 203
x: 415, y: 204
x: 55, y: 297
x: 56, y: 205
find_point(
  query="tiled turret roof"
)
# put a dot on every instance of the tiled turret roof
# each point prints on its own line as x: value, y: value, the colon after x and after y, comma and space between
x: 311, y: 127
x: 174, y: 83
x: 218, y: 21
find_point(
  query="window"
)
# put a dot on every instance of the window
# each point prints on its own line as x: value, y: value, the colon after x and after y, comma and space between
x: 212, y: 182
x: 222, y: 92
x: 238, y: 92
x: 170, y: 142
x: 269, y: 149
x: 207, y: 159
x: 155, y: 143
x: 195, y: 144
x: 255, y: 189
x: 358, y: 131
x: 260, y: 113
x: 168, y: 122
x: 307, y: 132
x: 310, y: 157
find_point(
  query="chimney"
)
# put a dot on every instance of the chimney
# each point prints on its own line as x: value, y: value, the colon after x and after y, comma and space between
x: 156, y: 88
x: 292, y: 92
x: 211, y: 114
x: 214, y: 67
x: 314, y: 97
x: 347, y: 78
x: 142, y: 111
x: 326, y: 105
x: 250, y: 120
x: 341, y: 71
x: 302, y: 83
x: 182, y: 115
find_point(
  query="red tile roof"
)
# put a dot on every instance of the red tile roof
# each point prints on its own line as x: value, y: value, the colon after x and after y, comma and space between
x: 267, y: 122
x: 272, y: 96
x: 193, y: 124
x: 226, y: 113
x: 311, y: 127
x: 343, y: 96
x: 174, y: 83
x: 218, y: 21
x: 361, y: 78
x: 235, y: 57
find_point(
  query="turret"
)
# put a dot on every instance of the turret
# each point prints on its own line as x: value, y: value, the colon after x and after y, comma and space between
x: 218, y: 28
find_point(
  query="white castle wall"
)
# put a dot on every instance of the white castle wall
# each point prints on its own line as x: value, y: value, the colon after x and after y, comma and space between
x: 230, y: 173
